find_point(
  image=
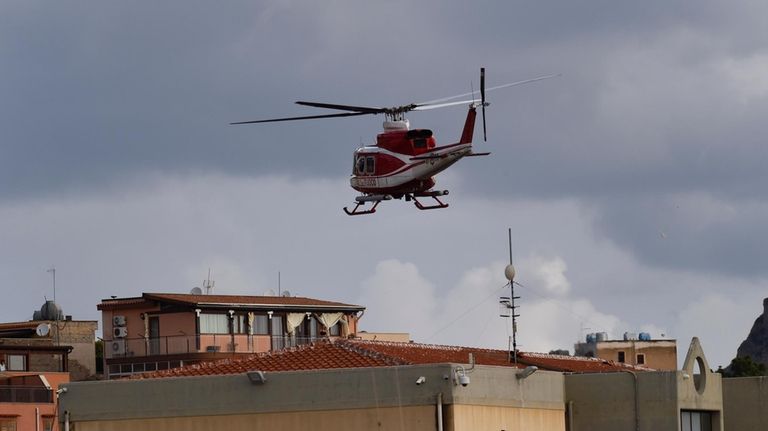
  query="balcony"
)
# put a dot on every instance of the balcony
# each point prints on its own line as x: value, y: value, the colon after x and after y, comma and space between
x: 199, y: 344
x: 21, y: 394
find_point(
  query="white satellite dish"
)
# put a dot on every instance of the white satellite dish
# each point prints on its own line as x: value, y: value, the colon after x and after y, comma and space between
x: 269, y: 292
x: 286, y: 293
x: 196, y: 291
x: 42, y: 329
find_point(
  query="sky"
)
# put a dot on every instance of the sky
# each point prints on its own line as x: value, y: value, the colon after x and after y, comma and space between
x: 633, y: 184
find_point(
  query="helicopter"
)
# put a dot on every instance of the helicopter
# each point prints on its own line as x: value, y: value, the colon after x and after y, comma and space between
x: 404, y: 161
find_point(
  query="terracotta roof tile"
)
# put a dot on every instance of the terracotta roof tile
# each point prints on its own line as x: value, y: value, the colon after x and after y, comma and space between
x: 362, y: 354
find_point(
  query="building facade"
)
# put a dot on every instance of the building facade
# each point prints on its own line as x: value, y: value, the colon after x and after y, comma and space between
x: 28, y: 400
x: 633, y: 349
x: 159, y: 331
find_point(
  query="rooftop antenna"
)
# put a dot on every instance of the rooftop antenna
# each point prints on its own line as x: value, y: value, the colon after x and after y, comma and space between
x: 52, y: 270
x: 208, y: 284
x: 508, y: 302
x: 278, y: 283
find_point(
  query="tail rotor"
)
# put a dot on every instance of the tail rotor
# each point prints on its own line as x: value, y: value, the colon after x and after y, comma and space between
x: 482, y: 100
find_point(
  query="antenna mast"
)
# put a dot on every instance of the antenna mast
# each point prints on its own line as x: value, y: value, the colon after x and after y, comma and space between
x: 508, y: 303
x: 208, y: 284
x: 52, y: 270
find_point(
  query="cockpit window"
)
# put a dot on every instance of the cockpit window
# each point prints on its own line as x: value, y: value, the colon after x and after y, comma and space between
x: 369, y: 165
x: 361, y: 165
x: 419, y: 143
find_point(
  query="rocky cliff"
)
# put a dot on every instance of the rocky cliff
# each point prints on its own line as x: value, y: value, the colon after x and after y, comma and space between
x: 756, y: 344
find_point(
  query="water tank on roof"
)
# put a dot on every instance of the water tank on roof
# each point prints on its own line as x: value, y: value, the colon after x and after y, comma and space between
x: 49, y: 311
x: 629, y: 336
x: 645, y: 336
x: 591, y: 338
x: 602, y: 336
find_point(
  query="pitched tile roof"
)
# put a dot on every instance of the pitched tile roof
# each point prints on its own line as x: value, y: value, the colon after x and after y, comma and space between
x: 361, y: 354
x: 228, y: 300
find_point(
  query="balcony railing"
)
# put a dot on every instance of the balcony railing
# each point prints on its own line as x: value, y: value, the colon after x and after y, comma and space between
x: 203, y: 343
x: 21, y: 394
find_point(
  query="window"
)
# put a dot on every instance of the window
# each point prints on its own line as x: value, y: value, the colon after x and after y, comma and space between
x: 420, y: 143
x: 260, y: 325
x: 335, y: 330
x: 17, y: 363
x: 214, y: 323
x: 47, y: 423
x: 361, y: 165
x: 369, y: 165
x: 640, y: 359
x: 7, y: 424
x: 240, y: 323
x: 621, y: 356
x: 691, y: 420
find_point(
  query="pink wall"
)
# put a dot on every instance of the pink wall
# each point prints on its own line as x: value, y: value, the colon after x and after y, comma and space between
x: 25, y: 412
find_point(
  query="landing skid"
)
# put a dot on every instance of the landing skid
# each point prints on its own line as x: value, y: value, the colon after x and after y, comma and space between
x: 376, y: 199
x: 362, y: 212
x: 431, y: 194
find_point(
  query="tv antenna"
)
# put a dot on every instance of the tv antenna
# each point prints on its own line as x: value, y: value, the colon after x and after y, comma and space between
x: 208, y: 284
x: 52, y: 270
x: 508, y: 307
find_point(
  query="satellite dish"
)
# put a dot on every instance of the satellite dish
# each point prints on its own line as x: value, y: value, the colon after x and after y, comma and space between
x: 269, y: 292
x: 42, y: 329
x: 196, y: 291
x: 286, y: 293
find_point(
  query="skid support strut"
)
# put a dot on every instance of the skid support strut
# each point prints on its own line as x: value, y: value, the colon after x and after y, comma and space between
x: 357, y: 205
x: 430, y: 194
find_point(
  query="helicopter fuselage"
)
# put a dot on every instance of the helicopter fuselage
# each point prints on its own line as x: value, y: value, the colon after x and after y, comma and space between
x: 405, y: 161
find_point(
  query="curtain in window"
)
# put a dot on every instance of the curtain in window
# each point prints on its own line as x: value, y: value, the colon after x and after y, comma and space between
x: 329, y: 319
x: 293, y: 320
x: 344, y: 326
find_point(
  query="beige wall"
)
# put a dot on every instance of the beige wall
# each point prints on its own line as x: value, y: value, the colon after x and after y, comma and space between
x: 385, y: 419
x: 659, y: 355
x: 473, y: 417
x: 745, y: 403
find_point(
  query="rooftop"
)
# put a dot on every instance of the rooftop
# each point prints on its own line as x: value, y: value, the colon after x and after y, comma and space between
x: 362, y: 354
x: 239, y: 301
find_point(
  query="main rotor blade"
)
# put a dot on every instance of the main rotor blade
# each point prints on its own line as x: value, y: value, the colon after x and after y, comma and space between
x: 363, y: 109
x: 427, y: 107
x: 309, y: 117
x: 511, y: 84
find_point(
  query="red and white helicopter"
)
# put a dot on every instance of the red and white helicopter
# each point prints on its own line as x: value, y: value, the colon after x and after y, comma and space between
x: 404, y: 161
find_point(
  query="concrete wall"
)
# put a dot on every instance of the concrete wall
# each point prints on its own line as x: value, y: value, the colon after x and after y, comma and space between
x: 745, y: 403
x: 375, y: 398
x: 607, y: 401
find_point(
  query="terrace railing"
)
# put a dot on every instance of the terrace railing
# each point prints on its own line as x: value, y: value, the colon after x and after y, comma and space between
x: 203, y: 343
x: 21, y: 394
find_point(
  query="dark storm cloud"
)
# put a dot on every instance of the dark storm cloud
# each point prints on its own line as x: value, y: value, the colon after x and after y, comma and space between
x: 658, y: 100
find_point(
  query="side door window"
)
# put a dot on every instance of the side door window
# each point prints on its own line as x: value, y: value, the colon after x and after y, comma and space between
x: 370, y: 167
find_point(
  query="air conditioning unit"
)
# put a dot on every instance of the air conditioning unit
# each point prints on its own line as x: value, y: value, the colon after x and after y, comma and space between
x: 118, y: 320
x: 117, y: 347
x: 120, y: 332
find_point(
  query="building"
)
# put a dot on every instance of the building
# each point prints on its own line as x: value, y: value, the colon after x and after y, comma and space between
x: 41, y: 343
x: 632, y: 349
x: 690, y: 399
x: 157, y: 331
x: 340, y: 384
x: 28, y: 400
